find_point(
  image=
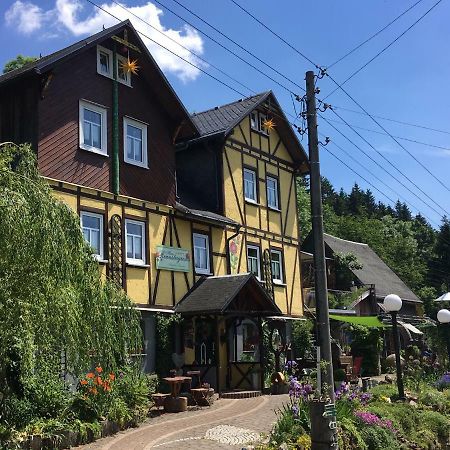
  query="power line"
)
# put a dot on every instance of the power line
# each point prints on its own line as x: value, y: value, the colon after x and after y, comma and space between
x: 384, y: 49
x: 427, y: 144
x: 235, y: 43
x: 183, y: 47
x: 393, y: 120
x: 373, y: 35
x: 379, y: 165
x: 339, y: 86
x: 170, y: 51
x: 218, y: 80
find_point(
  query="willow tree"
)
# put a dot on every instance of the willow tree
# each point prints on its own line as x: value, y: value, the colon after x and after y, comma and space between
x: 53, y: 303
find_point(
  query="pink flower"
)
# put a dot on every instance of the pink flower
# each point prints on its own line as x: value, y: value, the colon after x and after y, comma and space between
x: 233, y: 247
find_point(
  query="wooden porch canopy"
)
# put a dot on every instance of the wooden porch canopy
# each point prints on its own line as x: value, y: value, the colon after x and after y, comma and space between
x: 240, y: 294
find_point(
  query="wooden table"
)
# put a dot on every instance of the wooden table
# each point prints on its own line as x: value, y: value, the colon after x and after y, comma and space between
x: 175, y: 403
x: 175, y: 384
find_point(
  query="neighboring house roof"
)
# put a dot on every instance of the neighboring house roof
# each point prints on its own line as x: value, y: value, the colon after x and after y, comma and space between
x: 167, y: 96
x: 374, y: 269
x: 206, y: 215
x: 221, y: 120
x: 218, y: 294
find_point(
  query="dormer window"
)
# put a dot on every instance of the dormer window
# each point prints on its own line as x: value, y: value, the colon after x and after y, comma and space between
x: 122, y: 76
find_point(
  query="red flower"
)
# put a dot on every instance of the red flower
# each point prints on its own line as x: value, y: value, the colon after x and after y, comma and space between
x: 90, y: 375
x: 99, y: 369
x: 233, y: 247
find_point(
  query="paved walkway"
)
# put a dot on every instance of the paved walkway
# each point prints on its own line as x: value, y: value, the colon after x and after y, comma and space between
x: 228, y: 424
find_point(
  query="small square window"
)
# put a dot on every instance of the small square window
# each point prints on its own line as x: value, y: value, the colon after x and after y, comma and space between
x: 253, y: 261
x: 93, y: 136
x: 92, y: 227
x: 262, y: 119
x: 250, y: 192
x: 272, y: 193
x: 277, y: 265
x: 104, y: 61
x: 135, y: 241
x: 201, y: 253
x: 135, y: 142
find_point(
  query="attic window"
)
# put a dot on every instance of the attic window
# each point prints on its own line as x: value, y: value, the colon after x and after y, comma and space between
x: 104, y: 61
x: 105, y: 65
x: 257, y: 120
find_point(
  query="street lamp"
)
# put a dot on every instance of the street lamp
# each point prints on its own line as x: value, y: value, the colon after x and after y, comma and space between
x: 443, y: 316
x: 392, y: 304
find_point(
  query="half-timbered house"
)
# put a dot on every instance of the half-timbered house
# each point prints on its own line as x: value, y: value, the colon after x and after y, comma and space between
x: 221, y: 246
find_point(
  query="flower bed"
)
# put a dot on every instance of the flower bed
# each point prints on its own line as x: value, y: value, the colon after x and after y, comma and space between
x: 373, y: 420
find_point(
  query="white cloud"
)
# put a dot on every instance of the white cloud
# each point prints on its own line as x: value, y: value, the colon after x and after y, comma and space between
x: 26, y: 16
x: 71, y: 15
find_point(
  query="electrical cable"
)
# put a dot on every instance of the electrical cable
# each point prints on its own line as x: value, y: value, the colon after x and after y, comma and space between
x: 183, y: 47
x: 384, y: 49
x: 372, y: 36
x: 427, y: 144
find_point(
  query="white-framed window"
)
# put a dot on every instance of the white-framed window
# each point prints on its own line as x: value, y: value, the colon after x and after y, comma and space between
x: 257, y: 120
x: 135, y: 241
x: 272, y: 192
x: 254, y: 121
x: 201, y: 253
x: 92, y: 227
x: 135, y: 142
x: 276, y: 257
x: 92, y: 125
x: 122, y: 76
x: 262, y: 119
x: 250, y: 192
x: 104, y: 61
x: 253, y: 260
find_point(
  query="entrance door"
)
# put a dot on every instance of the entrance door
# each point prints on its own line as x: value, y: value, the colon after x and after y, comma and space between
x: 244, y: 354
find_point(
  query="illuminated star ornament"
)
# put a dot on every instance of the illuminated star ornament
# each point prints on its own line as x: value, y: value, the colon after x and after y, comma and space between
x: 269, y: 124
x: 130, y: 66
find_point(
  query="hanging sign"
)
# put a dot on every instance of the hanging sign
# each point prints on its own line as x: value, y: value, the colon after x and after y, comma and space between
x: 172, y: 258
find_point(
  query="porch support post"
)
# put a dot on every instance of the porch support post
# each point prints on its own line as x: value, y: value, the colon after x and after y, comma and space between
x: 218, y: 353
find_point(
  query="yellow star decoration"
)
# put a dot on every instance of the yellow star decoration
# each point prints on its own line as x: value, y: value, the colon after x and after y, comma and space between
x: 130, y: 66
x: 269, y: 124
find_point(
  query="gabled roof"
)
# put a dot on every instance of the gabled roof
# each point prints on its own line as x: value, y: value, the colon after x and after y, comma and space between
x: 374, y: 269
x: 221, y: 294
x: 220, y: 121
x: 152, y: 71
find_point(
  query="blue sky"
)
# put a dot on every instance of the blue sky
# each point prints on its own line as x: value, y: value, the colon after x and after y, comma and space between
x: 409, y: 82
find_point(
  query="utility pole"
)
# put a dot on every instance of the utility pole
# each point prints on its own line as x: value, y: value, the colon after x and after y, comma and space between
x: 325, y: 429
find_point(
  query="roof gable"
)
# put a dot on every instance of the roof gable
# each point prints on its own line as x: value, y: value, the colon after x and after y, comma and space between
x: 148, y: 69
x: 374, y: 271
x: 221, y: 120
x: 227, y: 293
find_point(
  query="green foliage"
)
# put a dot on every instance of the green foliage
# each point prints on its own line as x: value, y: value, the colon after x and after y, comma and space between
x: 18, y: 62
x: 53, y: 304
x: 367, y: 342
x: 349, y: 435
x: 345, y: 263
x: 377, y: 438
x: 165, y: 324
x: 289, y: 427
x: 302, y: 338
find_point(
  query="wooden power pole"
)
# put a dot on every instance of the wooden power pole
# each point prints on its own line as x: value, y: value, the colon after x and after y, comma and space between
x: 323, y: 433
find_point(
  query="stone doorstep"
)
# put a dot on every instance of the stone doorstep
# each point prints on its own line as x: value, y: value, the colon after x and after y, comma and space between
x: 240, y: 394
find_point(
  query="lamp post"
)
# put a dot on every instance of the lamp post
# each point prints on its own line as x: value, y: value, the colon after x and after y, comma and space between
x: 392, y: 304
x: 443, y: 316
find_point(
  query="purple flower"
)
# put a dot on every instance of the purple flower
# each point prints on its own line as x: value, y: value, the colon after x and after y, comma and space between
x: 372, y: 419
x: 295, y: 410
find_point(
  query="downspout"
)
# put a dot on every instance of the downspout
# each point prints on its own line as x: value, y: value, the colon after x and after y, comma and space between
x: 115, y: 127
x: 238, y: 227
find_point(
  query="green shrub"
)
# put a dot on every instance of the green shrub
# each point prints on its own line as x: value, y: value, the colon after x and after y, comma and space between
x: 349, y: 436
x: 287, y: 429
x: 378, y: 438
x: 119, y: 412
